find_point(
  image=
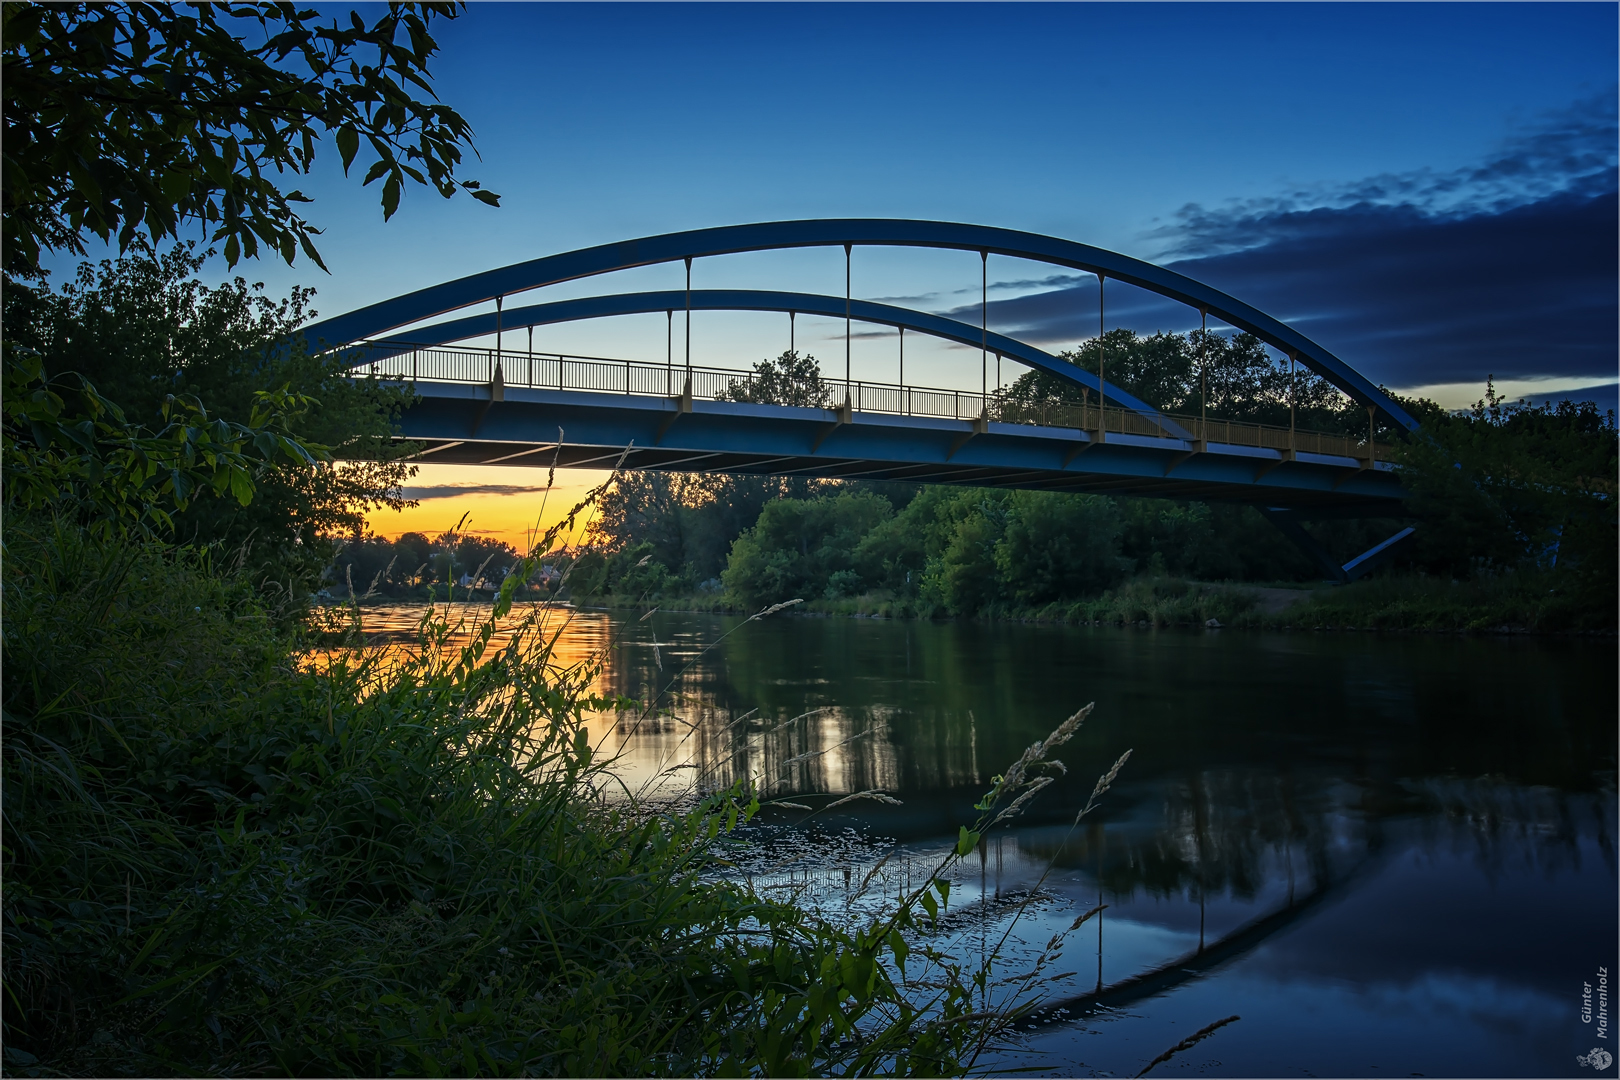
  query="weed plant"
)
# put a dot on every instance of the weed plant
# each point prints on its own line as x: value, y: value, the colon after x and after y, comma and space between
x: 219, y: 860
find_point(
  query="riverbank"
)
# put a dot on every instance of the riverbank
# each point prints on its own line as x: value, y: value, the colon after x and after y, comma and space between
x: 1525, y: 603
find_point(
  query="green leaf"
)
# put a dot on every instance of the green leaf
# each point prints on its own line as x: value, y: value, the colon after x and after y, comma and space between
x: 348, y: 144
x: 241, y: 486
x: 966, y: 841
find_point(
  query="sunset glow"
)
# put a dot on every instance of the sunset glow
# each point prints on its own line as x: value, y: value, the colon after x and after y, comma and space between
x: 507, y: 504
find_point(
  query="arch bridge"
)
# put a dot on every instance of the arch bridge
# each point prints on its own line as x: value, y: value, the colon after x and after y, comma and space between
x: 518, y: 407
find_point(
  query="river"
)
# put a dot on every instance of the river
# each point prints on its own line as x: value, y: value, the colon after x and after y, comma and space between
x: 1389, y: 855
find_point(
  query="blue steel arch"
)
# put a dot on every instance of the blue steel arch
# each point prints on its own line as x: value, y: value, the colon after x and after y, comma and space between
x: 380, y: 318
x: 598, y: 307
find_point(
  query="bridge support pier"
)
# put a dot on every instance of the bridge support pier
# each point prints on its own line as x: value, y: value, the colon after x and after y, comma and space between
x: 1287, y: 522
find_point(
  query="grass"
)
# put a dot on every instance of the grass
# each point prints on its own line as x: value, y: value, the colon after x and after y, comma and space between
x: 1541, y: 602
x: 220, y: 860
x: 1157, y: 601
x: 1527, y: 601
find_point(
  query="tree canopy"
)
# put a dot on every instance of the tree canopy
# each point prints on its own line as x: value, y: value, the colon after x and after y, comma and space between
x: 125, y: 120
x: 1232, y: 377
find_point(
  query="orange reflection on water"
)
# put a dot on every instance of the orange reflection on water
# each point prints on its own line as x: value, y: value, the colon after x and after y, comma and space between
x: 391, y: 633
x: 653, y: 751
x: 692, y: 735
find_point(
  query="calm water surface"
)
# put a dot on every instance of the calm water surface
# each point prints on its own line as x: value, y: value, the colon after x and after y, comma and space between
x: 1391, y: 856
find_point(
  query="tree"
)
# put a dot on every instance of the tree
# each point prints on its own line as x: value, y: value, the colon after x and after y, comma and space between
x: 1232, y: 378
x: 790, y: 379
x: 126, y: 120
x: 1057, y: 546
x: 71, y: 452
x: 964, y: 576
x: 1505, y: 486
x: 799, y: 545
x: 143, y: 329
x: 688, y: 519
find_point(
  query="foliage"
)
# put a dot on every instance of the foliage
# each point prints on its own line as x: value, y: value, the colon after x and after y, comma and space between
x: 1056, y: 546
x: 798, y: 545
x: 790, y: 379
x: 1149, y: 600
x: 1232, y: 378
x: 1223, y: 542
x: 963, y: 577
x: 1504, y: 486
x: 628, y: 572
x: 962, y: 551
x: 145, y: 331
x: 125, y: 120
x: 70, y: 450
x: 689, y: 519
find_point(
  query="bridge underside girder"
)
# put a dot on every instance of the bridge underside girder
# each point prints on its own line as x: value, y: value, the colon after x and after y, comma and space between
x: 461, y: 424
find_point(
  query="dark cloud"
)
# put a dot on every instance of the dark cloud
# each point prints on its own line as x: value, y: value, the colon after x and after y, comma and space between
x: 928, y: 300
x: 452, y: 491
x: 1570, y: 152
x: 1410, y: 299
x: 1506, y: 268
x: 1064, y: 316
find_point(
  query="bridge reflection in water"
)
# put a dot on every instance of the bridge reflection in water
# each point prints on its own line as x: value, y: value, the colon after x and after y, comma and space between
x: 1383, y: 856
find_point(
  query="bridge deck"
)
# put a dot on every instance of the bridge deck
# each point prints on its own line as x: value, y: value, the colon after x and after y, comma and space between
x: 558, y: 371
x: 471, y: 423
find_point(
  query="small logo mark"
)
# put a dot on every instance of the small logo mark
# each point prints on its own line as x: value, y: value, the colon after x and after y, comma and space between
x: 1598, y: 1058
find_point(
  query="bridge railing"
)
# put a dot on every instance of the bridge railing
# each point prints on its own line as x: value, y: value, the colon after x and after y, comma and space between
x: 562, y: 371
x: 1220, y: 432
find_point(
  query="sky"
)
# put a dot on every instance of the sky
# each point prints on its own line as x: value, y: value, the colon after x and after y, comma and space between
x: 1428, y: 190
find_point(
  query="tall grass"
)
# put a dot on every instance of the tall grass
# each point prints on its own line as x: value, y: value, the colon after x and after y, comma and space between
x: 1539, y: 601
x: 1157, y: 601
x: 218, y: 860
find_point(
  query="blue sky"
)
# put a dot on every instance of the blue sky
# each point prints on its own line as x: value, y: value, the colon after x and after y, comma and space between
x: 1428, y: 190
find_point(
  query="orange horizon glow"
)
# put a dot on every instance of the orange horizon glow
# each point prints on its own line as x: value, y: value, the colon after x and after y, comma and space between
x: 498, y: 502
